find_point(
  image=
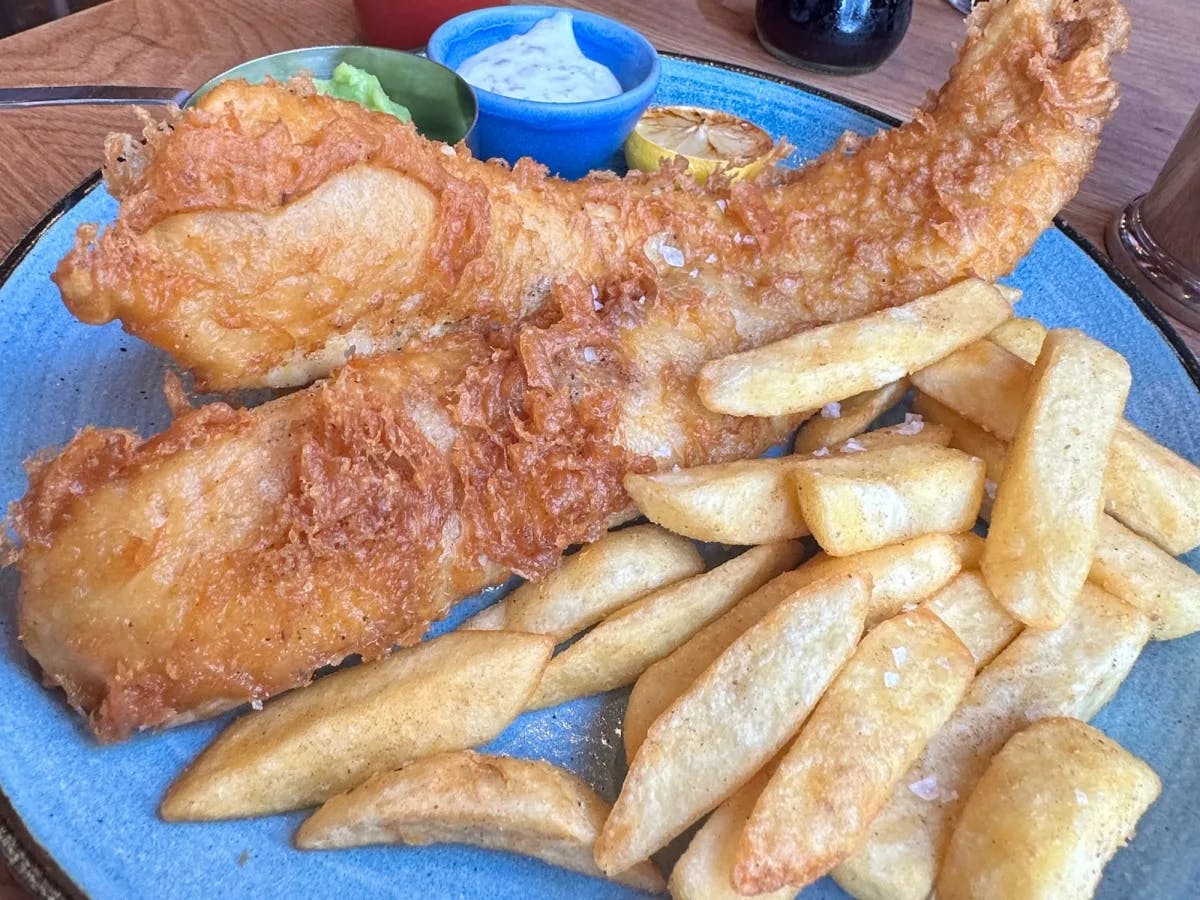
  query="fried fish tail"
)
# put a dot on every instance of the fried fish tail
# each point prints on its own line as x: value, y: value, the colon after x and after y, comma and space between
x: 231, y: 556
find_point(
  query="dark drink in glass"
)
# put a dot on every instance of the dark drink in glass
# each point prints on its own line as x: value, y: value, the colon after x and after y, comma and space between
x: 838, y: 36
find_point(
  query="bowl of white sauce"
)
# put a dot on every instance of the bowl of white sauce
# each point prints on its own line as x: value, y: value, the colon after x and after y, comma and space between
x: 564, y: 87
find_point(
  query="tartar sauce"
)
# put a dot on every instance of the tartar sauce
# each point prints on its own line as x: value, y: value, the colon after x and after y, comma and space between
x: 543, y: 64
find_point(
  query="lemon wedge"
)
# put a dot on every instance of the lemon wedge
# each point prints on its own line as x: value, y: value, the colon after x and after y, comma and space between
x: 710, y: 140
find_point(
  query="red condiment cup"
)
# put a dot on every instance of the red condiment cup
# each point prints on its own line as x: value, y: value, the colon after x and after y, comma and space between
x: 407, y: 24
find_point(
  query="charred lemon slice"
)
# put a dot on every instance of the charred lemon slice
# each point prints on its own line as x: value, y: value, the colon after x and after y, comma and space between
x: 708, y: 139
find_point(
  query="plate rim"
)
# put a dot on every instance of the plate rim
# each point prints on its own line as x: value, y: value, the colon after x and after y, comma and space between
x: 35, y: 869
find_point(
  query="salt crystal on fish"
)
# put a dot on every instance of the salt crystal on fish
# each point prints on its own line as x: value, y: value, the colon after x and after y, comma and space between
x: 820, y: 451
x: 589, y: 354
x: 900, y: 655
x: 672, y: 256
x: 831, y: 410
x: 913, y: 424
x: 989, y: 488
x: 853, y: 446
x: 890, y: 679
x: 711, y: 258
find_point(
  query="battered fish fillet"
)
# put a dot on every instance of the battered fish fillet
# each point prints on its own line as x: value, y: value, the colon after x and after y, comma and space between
x: 231, y: 556
x: 271, y: 234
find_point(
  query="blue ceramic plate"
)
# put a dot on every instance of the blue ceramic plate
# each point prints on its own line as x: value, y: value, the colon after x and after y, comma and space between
x: 85, y: 815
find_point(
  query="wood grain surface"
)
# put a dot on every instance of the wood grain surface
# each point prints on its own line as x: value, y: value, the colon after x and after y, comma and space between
x: 183, y: 43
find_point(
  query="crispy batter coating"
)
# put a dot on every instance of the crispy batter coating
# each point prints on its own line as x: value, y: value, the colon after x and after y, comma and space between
x: 234, y: 554
x: 273, y: 232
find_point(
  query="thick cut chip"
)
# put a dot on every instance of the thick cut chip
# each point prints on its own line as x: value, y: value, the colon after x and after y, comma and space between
x: 1020, y: 337
x: 901, y: 575
x: 662, y: 683
x: 705, y: 870
x: 830, y: 363
x: 620, y: 648
x: 1050, y: 811
x: 867, y: 500
x: 1069, y: 671
x: 1139, y: 572
x: 902, y: 683
x: 1147, y: 487
x: 969, y: 608
x: 965, y: 435
x: 970, y: 548
x: 499, y: 802
x: 1153, y: 490
x: 601, y: 578
x: 1046, y: 517
x: 983, y: 383
x: 848, y: 418
x: 750, y: 501
x: 449, y: 693
x: 733, y: 719
x: 1126, y: 564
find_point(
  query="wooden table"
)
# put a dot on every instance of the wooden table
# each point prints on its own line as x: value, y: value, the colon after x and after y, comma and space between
x: 176, y: 42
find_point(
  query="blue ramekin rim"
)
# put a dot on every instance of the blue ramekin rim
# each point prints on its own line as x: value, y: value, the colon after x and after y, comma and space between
x: 514, y: 109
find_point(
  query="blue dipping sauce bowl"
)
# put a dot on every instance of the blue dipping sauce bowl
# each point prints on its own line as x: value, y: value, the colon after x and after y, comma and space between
x: 570, y: 139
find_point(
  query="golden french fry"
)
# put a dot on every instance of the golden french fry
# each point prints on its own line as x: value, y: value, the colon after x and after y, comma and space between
x: 842, y: 420
x: 602, y: 577
x: 1153, y: 490
x: 663, y: 682
x: 705, y: 870
x: 733, y: 719
x: 751, y: 501
x: 1068, y: 671
x: 966, y: 436
x: 983, y: 382
x: 1126, y: 564
x: 833, y: 362
x: 1010, y: 294
x: 860, y: 502
x: 970, y: 548
x: 1052, y: 808
x: 901, y: 575
x: 1139, y: 572
x: 1020, y: 337
x: 902, y: 683
x: 620, y: 648
x: 972, y: 613
x: 453, y: 692
x: 498, y: 802
x: 1147, y: 487
x: 1046, y: 517
x: 911, y: 432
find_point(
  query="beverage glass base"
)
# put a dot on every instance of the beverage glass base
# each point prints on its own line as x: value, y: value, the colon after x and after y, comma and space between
x: 813, y: 66
x: 1165, y: 282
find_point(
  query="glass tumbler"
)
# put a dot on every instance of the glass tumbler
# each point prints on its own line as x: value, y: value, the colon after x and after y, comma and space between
x: 1155, y: 240
x: 837, y: 36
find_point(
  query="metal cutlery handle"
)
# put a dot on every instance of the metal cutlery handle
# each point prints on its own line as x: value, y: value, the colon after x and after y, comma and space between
x: 81, y: 94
